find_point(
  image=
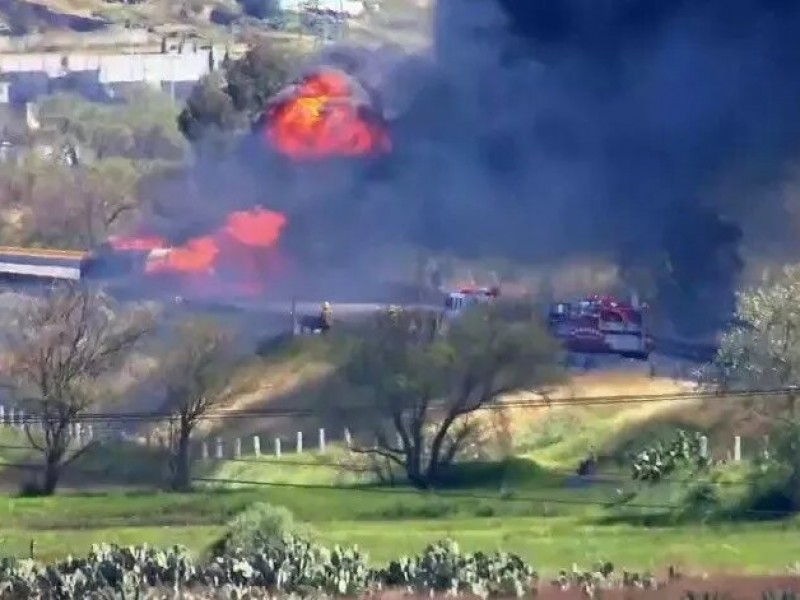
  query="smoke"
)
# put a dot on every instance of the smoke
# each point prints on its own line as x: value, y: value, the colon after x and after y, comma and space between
x: 649, y: 132
x: 566, y: 127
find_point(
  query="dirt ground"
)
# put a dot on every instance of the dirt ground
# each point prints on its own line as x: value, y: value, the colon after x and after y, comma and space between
x: 713, y: 588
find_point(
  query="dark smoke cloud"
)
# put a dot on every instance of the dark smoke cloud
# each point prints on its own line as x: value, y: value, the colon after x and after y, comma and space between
x: 545, y: 129
x: 607, y: 126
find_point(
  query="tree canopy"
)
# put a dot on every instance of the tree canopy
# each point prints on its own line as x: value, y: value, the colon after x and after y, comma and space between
x: 79, y: 177
x: 222, y: 104
x: 46, y: 203
x: 141, y: 128
x: 423, y: 385
x: 762, y: 348
x: 761, y: 351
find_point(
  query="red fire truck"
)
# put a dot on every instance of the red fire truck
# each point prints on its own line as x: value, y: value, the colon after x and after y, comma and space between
x: 601, y: 325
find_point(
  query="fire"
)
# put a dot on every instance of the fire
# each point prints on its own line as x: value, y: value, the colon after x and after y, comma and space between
x: 243, y: 247
x: 195, y: 256
x: 260, y: 228
x: 136, y: 244
x: 324, y: 118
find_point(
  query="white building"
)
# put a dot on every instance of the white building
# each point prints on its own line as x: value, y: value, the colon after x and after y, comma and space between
x: 27, y: 76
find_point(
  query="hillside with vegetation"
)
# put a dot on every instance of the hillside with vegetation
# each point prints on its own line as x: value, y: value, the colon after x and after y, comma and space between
x: 76, y: 23
x: 155, y: 432
x: 580, y: 479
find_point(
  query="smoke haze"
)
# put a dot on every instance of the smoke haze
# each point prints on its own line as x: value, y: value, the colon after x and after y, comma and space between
x: 650, y: 132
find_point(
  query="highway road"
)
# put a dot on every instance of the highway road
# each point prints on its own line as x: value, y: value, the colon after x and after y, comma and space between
x: 263, y: 318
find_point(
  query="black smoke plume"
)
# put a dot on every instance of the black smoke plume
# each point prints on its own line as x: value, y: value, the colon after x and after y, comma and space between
x: 609, y: 127
x: 648, y: 132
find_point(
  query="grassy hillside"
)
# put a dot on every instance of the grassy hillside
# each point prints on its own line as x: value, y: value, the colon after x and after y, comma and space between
x: 530, y: 502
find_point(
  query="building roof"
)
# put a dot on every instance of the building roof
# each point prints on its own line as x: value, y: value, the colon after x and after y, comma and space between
x: 41, y: 262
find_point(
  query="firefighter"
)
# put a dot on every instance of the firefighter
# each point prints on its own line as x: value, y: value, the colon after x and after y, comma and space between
x: 325, y: 317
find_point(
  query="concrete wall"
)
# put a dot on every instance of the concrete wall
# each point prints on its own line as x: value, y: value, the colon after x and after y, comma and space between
x: 31, y: 75
x: 113, y: 68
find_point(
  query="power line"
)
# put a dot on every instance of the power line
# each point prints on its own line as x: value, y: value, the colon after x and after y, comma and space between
x: 578, y: 401
x: 596, y: 477
x: 513, y: 497
x: 408, y: 492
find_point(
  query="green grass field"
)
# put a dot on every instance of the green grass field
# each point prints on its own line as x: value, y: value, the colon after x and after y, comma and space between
x: 526, y: 504
x: 386, y: 524
x: 542, y: 518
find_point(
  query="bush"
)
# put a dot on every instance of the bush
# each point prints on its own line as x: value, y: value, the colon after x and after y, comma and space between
x: 442, y: 568
x: 701, y: 500
x: 294, y: 567
x: 262, y: 525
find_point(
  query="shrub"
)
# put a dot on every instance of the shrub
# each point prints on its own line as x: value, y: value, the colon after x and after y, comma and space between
x: 296, y: 567
x: 701, y: 500
x: 442, y: 568
x: 260, y: 526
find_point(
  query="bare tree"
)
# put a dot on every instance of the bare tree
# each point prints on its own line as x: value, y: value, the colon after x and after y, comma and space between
x: 198, y: 376
x: 65, y: 346
x: 423, y: 387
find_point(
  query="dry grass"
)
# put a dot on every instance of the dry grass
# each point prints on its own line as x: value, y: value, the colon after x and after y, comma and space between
x: 601, y: 385
x: 267, y: 385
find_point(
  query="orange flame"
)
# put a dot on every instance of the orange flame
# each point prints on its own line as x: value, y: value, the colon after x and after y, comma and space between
x: 195, y: 256
x: 136, y: 244
x: 242, y: 246
x: 322, y: 119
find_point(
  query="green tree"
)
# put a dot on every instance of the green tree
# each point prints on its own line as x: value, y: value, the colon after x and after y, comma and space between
x: 107, y: 196
x: 142, y: 128
x: 423, y: 385
x: 762, y: 351
x: 221, y: 104
x: 47, y: 203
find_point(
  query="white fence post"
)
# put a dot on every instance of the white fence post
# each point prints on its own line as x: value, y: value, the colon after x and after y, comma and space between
x: 220, y: 453
x: 2, y: 415
x: 237, y: 448
x: 278, y: 447
x: 89, y: 432
x: 703, y: 446
x: 322, y: 440
x: 766, y: 447
x: 299, y: 442
x: 204, y: 450
x: 737, y: 448
x: 348, y: 439
x: 11, y: 416
x: 78, y: 432
x: 256, y: 445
